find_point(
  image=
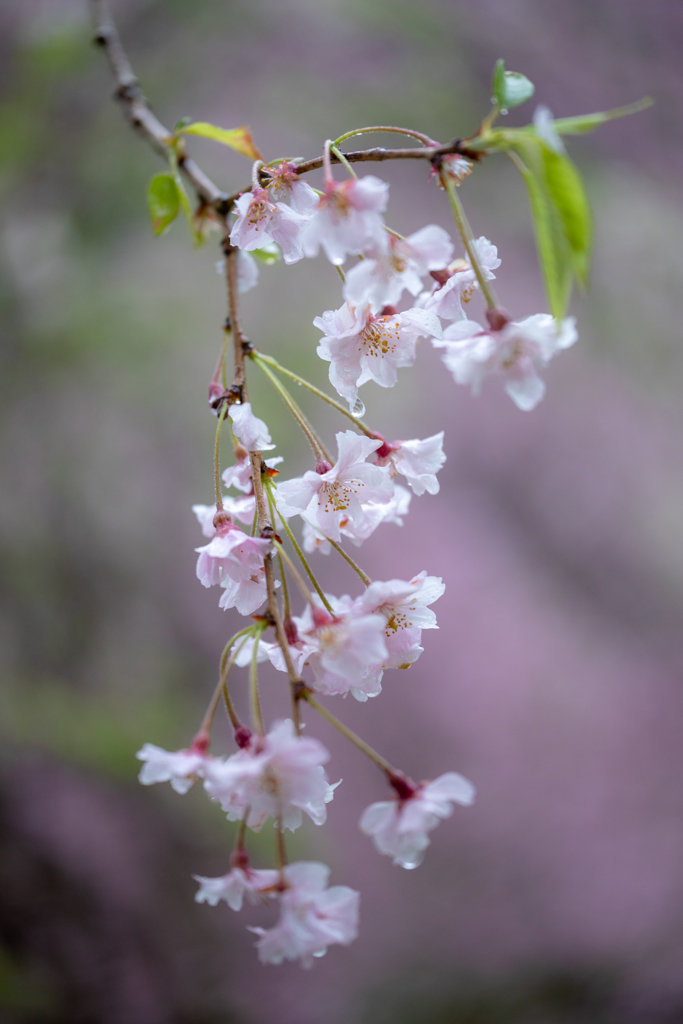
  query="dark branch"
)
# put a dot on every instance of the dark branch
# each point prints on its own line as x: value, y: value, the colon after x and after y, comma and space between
x: 136, y: 108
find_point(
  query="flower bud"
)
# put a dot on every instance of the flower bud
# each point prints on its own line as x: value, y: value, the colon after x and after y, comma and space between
x: 221, y: 520
x: 323, y: 466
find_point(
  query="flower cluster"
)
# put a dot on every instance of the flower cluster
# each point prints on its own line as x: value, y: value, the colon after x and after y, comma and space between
x: 334, y: 645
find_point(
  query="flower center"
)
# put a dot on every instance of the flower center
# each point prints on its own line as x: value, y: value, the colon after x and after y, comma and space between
x: 380, y: 336
x: 336, y: 497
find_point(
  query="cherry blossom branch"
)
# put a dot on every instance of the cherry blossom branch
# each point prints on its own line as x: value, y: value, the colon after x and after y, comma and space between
x: 137, y: 111
x: 261, y: 357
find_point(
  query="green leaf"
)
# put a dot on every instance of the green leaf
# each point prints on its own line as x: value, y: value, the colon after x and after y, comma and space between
x: 510, y: 88
x: 588, y: 122
x: 163, y: 201
x: 561, y: 215
x: 237, y: 138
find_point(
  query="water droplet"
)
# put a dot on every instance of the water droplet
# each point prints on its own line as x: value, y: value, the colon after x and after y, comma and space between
x: 504, y: 111
x: 358, y: 409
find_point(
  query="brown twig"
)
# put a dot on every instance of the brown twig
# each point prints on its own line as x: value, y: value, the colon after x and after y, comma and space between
x: 137, y: 110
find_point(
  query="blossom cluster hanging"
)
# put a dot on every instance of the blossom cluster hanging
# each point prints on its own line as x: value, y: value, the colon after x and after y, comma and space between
x: 395, y: 291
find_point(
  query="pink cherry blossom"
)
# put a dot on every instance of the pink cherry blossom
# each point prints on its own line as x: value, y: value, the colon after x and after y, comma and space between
x: 398, y: 264
x: 517, y: 352
x: 312, y: 916
x: 350, y: 648
x: 418, y: 461
x: 459, y: 282
x: 325, y: 497
x: 247, y: 272
x: 399, y: 827
x: 233, y: 887
x: 374, y: 514
x: 231, y: 553
x: 347, y: 218
x: 180, y: 767
x: 360, y: 346
x: 241, y: 508
x: 272, y: 652
x: 456, y: 167
x: 405, y: 608
x: 252, y: 432
x: 260, y: 222
x: 239, y: 475
x: 276, y: 776
x: 285, y: 184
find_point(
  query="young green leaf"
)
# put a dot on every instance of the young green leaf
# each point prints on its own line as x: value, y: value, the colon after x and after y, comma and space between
x: 567, y: 193
x: 588, y: 122
x: 163, y: 201
x: 510, y: 88
x: 237, y: 138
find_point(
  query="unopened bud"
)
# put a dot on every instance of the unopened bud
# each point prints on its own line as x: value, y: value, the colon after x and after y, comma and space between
x: 405, y: 787
x: 291, y: 632
x: 200, y: 744
x: 242, y: 736
x: 221, y: 520
x: 497, y: 318
x: 323, y: 466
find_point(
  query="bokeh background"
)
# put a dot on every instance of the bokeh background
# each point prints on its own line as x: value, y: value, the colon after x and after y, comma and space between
x: 554, y: 682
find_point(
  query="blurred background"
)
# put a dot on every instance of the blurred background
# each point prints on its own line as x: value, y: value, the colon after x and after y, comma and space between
x: 554, y: 682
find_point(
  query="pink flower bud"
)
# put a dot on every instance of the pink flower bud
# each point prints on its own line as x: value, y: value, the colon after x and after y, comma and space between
x: 323, y: 466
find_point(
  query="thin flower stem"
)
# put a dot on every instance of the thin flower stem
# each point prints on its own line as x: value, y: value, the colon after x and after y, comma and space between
x: 286, y: 610
x: 280, y: 845
x: 347, y: 558
x: 254, y: 523
x: 342, y: 160
x: 217, y: 458
x: 260, y: 357
x: 255, y: 703
x: 242, y: 830
x: 221, y: 687
x: 327, y: 163
x: 294, y: 571
x: 465, y: 232
x: 304, y: 562
x: 316, y: 444
x: 380, y: 761
x: 255, y: 168
x: 340, y: 272
x: 424, y: 139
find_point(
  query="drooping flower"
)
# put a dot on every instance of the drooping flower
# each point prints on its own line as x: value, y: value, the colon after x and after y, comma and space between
x: 405, y: 608
x: 399, y: 827
x: 331, y: 494
x: 312, y: 918
x: 276, y: 776
x: 374, y: 514
x: 272, y: 652
x: 418, y: 461
x: 456, y: 167
x: 239, y: 475
x: 517, y: 351
x: 233, y: 887
x: 235, y: 561
x: 347, y: 218
x: 360, y: 346
x: 241, y: 508
x: 350, y: 647
x: 397, y: 265
x: 180, y: 767
x: 458, y: 282
x: 260, y: 222
x: 252, y: 432
x: 285, y: 184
